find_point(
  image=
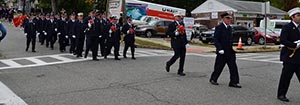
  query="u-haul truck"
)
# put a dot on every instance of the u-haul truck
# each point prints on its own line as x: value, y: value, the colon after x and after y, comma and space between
x: 138, y: 9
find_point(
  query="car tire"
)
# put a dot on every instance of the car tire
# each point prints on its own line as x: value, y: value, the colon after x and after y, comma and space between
x: 249, y: 41
x: 149, y: 34
x: 205, y: 42
x: 261, y: 41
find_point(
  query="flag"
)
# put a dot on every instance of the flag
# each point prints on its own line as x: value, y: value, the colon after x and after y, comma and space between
x: 19, y: 20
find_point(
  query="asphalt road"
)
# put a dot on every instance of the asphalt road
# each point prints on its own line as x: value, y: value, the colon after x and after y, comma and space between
x: 139, y: 82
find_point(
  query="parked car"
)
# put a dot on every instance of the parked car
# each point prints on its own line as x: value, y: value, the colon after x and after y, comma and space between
x: 198, y: 29
x: 144, y: 20
x: 158, y: 27
x: 237, y: 31
x: 271, y: 36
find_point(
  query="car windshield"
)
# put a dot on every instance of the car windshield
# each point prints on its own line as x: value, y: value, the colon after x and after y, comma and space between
x: 143, y: 18
x: 263, y: 30
x: 152, y: 23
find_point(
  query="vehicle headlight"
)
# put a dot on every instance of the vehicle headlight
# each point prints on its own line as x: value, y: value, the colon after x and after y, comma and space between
x: 268, y: 36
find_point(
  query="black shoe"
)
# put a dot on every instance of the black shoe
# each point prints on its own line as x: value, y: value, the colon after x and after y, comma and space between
x: 235, y: 85
x: 125, y: 56
x: 181, y: 74
x: 133, y: 58
x: 33, y: 51
x: 213, y: 82
x: 283, y: 98
x: 117, y: 59
x: 105, y: 57
x: 85, y: 56
x: 167, y: 68
x: 26, y: 49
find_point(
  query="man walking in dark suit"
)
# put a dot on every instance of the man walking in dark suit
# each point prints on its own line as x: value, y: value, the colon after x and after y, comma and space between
x: 80, y: 35
x: 92, y: 34
x: 290, y: 53
x: 41, y: 23
x: 72, y: 33
x: 63, y: 33
x: 129, y: 37
x: 30, y: 30
x: 52, y: 29
x: 104, y: 28
x: 225, y: 53
x: 178, y: 43
x: 113, y: 39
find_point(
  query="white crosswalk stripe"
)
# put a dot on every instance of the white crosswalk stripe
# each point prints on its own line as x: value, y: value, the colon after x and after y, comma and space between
x: 68, y: 58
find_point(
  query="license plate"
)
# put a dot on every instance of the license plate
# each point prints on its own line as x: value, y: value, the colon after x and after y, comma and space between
x: 203, y: 38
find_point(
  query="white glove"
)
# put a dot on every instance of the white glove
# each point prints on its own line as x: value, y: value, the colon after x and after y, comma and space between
x: 128, y: 32
x: 221, y: 52
x: 110, y: 31
x: 100, y: 36
x: 298, y: 45
x: 59, y: 33
x: 37, y: 34
x: 25, y: 34
x: 55, y: 29
x: 90, y: 25
x: 45, y: 33
x: 187, y: 45
x: 176, y: 33
x: 73, y: 36
x: 67, y: 36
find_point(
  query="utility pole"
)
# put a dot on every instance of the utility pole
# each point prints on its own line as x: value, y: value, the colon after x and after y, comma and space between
x: 24, y: 2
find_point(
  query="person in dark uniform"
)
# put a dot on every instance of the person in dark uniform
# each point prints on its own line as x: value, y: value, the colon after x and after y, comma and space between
x: 104, y: 28
x: 178, y: 44
x: 30, y: 30
x: 72, y: 33
x: 80, y: 35
x: 225, y: 53
x: 92, y: 34
x: 290, y: 53
x: 41, y: 23
x: 121, y: 19
x: 114, y: 37
x: 63, y: 32
x: 52, y: 30
x: 129, y: 37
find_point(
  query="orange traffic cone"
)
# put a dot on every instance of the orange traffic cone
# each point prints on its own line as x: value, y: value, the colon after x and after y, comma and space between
x: 240, y: 44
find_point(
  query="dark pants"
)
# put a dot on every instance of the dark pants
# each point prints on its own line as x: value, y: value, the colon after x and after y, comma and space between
x: 178, y: 53
x: 102, y: 42
x: 42, y: 38
x: 32, y: 40
x: 51, y: 39
x: 62, y: 42
x: 92, y: 44
x: 73, y: 45
x: 288, y: 71
x: 79, y: 46
x: 132, y: 48
x: 116, y: 46
x: 230, y: 60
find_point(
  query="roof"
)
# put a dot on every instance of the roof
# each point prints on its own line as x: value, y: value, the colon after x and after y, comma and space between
x: 235, y: 6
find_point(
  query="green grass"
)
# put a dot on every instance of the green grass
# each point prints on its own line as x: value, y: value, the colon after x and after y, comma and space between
x: 201, y: 44
x: 149, y: 44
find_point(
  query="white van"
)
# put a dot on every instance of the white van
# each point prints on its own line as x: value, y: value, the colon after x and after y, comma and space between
x: 275, y: 25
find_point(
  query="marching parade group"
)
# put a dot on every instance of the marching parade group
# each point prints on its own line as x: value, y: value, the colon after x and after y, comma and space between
x: 96, y: 30
x: 76, y: 31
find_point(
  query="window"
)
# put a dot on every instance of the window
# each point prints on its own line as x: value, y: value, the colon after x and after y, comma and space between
x: 161, y: 23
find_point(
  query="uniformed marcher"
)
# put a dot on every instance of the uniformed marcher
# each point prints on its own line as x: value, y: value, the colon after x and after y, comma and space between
x: 129, y: 38
x: 114, y: 37
x: 72, y: 33
x: 63, y: 33
x: 178, y: 43
x: 92, y: 34
x: 290, y: 54
x: 225, y: 53
x: 52, y: 30
x: 30, y: 30
x: 41, y: 23
x: 104, y: 28
x: 80, y: 35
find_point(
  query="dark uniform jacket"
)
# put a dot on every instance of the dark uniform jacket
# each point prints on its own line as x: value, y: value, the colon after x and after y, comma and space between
x: 289, y: 34
x: 41, y: 24
x: 128, y: 37
x: 30, y: 27
x: 178, y: 41
x: 63, y: 26
x: 79, y: 29
x: 51, y: 26
x: 71, y: 28
x: 114, y: 36
x: 95, y: 29
x: 223, y: 39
